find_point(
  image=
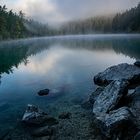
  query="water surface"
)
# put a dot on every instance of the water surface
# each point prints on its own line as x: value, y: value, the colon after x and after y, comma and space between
x: 65, y: 65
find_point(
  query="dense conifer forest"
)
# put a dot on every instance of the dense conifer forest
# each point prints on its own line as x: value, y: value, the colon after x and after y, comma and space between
x: 13, y: 25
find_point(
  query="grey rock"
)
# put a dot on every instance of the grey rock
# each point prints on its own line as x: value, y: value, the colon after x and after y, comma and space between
x: 135, y: 104
x: 115, y: 121
x: 95, y: 94
x: 130, y: 91
x: 122, y: 123
x: 43, y: 92
x: 122, y: 71
x: 92, y: 98
x: 109, y: 98
x: 35, y: 116
x: 137, y: 63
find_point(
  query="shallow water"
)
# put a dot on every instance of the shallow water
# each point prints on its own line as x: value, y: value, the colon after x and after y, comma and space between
x: 65, y: 65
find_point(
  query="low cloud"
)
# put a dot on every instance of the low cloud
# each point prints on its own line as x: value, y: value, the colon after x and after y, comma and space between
x: 55, y: 11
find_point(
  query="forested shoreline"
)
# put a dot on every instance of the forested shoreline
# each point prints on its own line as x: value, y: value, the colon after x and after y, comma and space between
x: 126, y: 22
x: 13, y: 25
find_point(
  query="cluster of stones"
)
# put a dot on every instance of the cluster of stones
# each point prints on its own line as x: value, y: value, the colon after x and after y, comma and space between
x: 116, y: 102
x: 40, y: 123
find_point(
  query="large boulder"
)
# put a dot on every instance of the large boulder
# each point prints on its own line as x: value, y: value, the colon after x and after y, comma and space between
x: 110, y: 97
x: 116, y: 121
x: 135, y: 104
x: 35, y: 116
x: 122, y: 71
x: 88, y: 104
x: 94, y: 95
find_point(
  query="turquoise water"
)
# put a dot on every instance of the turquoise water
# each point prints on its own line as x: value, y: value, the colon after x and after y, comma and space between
x: 65, y: 65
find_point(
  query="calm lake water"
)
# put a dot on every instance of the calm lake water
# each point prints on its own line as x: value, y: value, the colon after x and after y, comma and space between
x: 65, y: 65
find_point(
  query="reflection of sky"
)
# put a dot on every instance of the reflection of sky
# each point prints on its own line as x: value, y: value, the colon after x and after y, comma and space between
x: 57, y: 67
x: 67, y: 71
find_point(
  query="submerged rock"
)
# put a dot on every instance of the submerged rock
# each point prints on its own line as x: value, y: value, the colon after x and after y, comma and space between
x: 109, y: 98
x: 35, y: 116
x: 43, y: 92
x: 122, y: 71
x: 115, y: 121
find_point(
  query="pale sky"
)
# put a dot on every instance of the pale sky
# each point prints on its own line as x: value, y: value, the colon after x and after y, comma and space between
x: 54, y: 11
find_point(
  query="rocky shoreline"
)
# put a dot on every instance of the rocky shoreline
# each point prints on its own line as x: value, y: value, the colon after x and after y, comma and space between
x: 116, y: 104
x: 113, y: 110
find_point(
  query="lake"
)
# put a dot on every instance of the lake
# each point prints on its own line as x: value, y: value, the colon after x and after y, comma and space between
x: 66, y: 65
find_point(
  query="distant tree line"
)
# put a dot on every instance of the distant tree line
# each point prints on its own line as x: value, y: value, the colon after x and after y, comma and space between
x: 91, y: 25
x: 128, y: 22
x: 13, y: 25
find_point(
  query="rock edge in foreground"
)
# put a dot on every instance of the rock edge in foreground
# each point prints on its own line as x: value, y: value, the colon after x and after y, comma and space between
x: 123, y: 71
x: 115, y: 111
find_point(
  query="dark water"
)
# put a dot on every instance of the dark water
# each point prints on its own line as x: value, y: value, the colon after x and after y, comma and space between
x: 65, y: 65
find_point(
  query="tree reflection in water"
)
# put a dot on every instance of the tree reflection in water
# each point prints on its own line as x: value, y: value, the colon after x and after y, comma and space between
x: 13, y: 53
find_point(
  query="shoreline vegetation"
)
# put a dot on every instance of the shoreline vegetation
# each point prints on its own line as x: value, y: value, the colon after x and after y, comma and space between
x: 15, y: 25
